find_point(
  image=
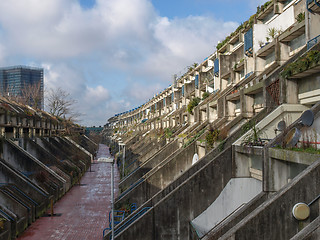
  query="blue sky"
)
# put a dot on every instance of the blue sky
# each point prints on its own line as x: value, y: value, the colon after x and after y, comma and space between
x: 112, y: 56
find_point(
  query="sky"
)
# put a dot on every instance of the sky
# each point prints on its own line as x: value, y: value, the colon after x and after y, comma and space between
x: 113, y: 55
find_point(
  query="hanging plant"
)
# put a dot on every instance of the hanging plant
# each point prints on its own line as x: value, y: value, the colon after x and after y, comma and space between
x: 304, y: 63
x: 205, y: 95
x: 192, y: 104
x: 300, y: 17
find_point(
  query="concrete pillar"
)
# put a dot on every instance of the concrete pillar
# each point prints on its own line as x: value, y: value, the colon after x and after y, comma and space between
x: 231, y: 107
x: 247, y: 102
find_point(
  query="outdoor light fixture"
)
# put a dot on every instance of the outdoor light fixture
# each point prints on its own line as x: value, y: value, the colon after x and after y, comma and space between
x: 110, y: 160
x: 301, y: 211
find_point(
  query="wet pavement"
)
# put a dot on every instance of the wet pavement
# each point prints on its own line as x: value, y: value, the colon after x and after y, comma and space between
x: 84, y: 209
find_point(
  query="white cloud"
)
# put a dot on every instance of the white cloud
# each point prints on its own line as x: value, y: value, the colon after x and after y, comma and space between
x: 96, y: 95
x: 125, y: 37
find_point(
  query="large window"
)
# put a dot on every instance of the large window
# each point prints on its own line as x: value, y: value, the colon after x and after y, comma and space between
x: 270, y: 59
x: 297, y: 42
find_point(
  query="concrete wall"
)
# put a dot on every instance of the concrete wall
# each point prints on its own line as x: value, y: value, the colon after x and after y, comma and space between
x: 310, y: 232
x: 237, y: 193
x: 273, y: 219
x: 166, y: 151
x: 160, y: 176
x: 39, y: 173
x: 230, y: 222
x: 48, y: 159
x: 20, y: 211
x: 187, y: 201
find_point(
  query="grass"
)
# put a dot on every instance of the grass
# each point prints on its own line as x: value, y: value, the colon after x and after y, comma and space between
x: 311, y: 150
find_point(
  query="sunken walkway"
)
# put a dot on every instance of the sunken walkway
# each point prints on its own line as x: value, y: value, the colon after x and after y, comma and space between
x: 83, y: 212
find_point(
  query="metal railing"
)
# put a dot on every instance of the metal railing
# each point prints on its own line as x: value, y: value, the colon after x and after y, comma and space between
x: 130, y: 220
x: 117, y: 218
x: 130, y: 188
x: 25, y: 195
x: 313, y: 42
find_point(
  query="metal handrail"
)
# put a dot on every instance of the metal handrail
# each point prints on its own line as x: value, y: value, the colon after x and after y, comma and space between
x: 314, y: 200
x: 4, y: 213
x: 130, y: 188
x: 115, y: 222
x: 313, y: 42
x: 15, y: 198
x: 20, y: 191
x: 25, y: 195
x: 131, y: 163
x: 132, y: 219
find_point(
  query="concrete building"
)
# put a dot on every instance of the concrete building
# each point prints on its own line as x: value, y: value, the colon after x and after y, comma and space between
x: 17, y: 80
x: 210, y: 157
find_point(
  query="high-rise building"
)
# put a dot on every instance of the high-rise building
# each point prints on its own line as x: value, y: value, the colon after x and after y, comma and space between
x: 23, y: 82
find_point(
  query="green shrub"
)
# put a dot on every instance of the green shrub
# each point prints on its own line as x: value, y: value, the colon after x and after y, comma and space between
x: 205, y: 95
x: 192, y: 104
x: 300, y: 17
x: 301, y: 64
x: 168, y: 132
x: 212, y: 136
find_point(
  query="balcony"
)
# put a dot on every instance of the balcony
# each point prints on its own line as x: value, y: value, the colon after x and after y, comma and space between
x: 236, y: 43
x: 239, y: 65
x: 293, y: 32
x: 313, y: 6
x: 266, y: 49
x: 208, y: 66
x: 265, y: 15
x: 234, y: 96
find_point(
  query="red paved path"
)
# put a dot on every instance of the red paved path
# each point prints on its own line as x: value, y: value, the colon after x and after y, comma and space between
x: 84, y: 208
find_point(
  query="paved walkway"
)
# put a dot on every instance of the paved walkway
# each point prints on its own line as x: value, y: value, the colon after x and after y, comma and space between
x: 84, y: 209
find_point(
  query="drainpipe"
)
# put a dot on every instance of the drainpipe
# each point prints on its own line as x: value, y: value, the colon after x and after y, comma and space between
x: 307, y: 13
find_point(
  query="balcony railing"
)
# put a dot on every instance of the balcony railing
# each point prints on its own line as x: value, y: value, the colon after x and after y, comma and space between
x: 248, y: 42
x: 196, y: 81
x: 216, y: 67
x: 314, y: 7
x: 313, y: 42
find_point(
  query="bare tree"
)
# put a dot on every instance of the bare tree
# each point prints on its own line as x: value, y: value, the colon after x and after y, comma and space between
x: 30, y: 94
x: 60, y: 104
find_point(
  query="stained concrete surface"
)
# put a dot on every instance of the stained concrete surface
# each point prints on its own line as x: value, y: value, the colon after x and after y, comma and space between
x: 84, y: 209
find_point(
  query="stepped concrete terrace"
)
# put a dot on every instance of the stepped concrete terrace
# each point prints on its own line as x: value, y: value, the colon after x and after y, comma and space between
x: 83, y: 212
x: 160, y: 175
x: 34, y: 174
x: 184, y: 178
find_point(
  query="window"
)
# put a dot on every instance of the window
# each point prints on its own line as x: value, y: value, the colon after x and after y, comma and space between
x: 268, y: 17
x: 270, y: 58
x: 241, y: 74
x: 297, y: 42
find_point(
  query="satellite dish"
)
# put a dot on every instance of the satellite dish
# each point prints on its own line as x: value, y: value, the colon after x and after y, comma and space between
x: 281, y: 125
x: 307, y: 118
x: 292, y: 138
x: 195, y: 158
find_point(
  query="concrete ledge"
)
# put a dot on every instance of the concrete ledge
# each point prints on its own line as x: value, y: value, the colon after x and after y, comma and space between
x: 293, y: 156
x: 310, y: 232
